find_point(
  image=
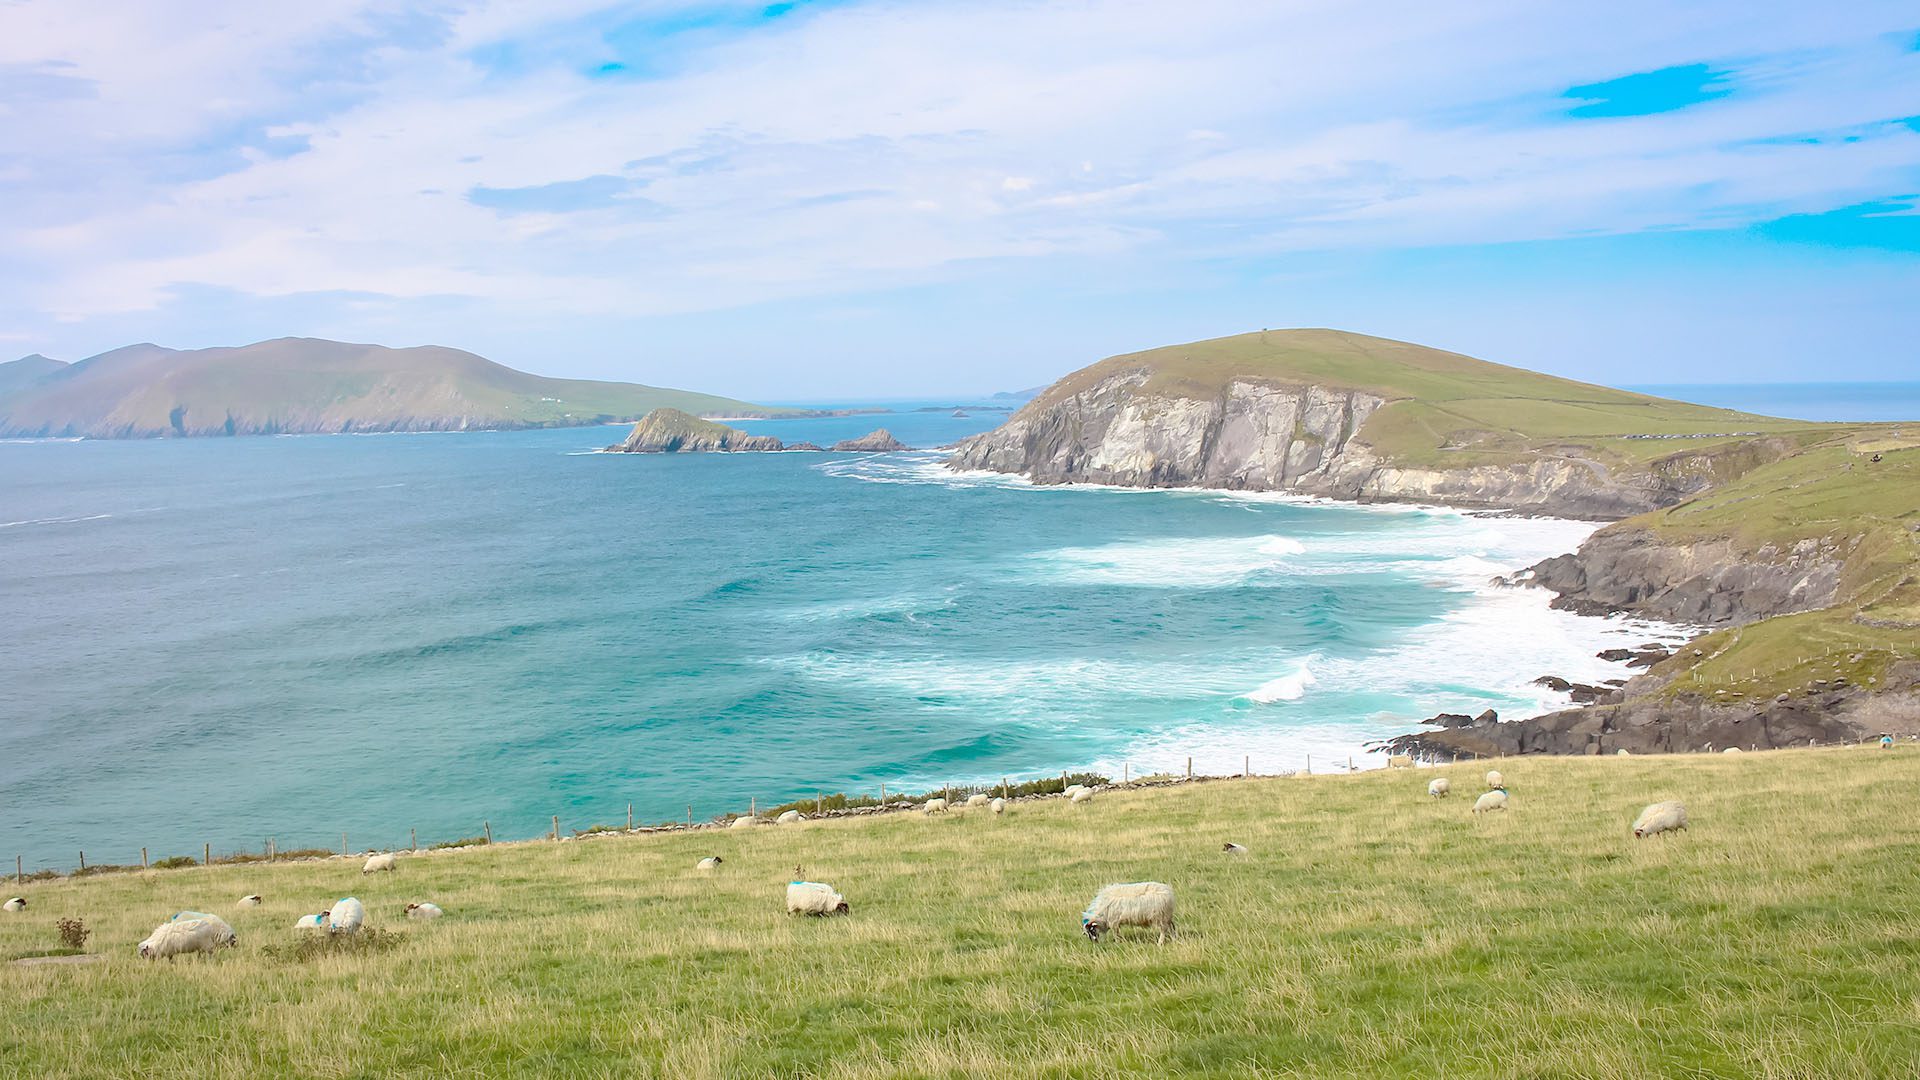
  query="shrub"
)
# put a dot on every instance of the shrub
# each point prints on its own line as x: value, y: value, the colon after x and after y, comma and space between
x: 73, y: 934
x: 100, y: 868
x: 310, y: 946
x: 471, y: 841
x: 175, y: 862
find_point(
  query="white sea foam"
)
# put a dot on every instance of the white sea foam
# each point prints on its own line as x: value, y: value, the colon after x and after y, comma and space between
x: 53, y: 521
x: 1289, y: 687
x: 1181, y: 562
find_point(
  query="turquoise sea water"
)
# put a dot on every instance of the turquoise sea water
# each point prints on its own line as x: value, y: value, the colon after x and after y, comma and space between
x: 216, y: 641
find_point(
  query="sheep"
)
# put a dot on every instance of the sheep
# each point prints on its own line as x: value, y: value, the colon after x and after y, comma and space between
x: 422, y: 911
x: 787, y: 817
x: 1083, y: 795
x: 978, y: 798
x: 1622, y: 752
x: 1142, y: 903
x: 711, y: 862
x: 345, y: 916
x: 1400, y: 761
x: 747, y: 822
x: 934, y: 806
x: 188, y: 932
x: 998, y: 806
x: 1439, y: 787
x: 1073, y: 790
x: 1731, y: 750
x: 1496, y: 782
x: 813, y: 898
x: 311, y: 922
x: 1492, y: 800
x: 247, y: 901
x: 1232, y: 848
x: 17, y: 903
x: 1661, y: 817
x: 377, y: 863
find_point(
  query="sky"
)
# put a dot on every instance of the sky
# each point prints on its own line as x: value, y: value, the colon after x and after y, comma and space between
x: 839, y: 200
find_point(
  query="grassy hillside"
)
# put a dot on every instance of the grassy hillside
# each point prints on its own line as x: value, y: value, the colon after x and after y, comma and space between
x: 1372, y: 932
x: 1445, y: 409
x: 309, y: 385
x: 16, y: 375
x: 1834, y: 492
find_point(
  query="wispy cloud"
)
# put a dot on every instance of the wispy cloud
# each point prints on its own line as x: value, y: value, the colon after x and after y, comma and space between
x: 587, y: 157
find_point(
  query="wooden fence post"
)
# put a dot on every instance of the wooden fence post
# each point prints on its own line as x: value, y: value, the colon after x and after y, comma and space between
x: 19, y: 875
x: 272, y: 848
x: 629, y: 817
x: 689, y: 815
x: 206, y: 855
x: 556, y: 826
x: 413, y: 840
x: 1309, y: 764
x: 753, y: 806
x: 883, y: 793
x: 946, y: 792
x: 487, y: 827
x: 343, y: 843
x: 819, y: 803
x: 1246, y: 766
x: 143, y: 858
x: 1349, y: 762
x: 1189, y: 768
x: 1004, y: 789
x: 83, y: 860
x: 1126, y: 773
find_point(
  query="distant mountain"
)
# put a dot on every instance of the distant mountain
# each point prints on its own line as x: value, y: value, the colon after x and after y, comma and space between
x: 1019, y: 395
x: 311, y: 385
x: 19, y: 374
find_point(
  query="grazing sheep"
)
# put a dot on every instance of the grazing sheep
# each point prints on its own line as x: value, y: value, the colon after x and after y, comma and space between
x: 188, y: 932
x: 1400, y: 761
x: 311, y: 922
x: 744, y: 822
x: 787, y: 817
x: 345, y: 916
x: 1142, y: 903
x: 1439, y: 787
x: 17, y: 903
x: 1073, y: 790
x: 711, y: 862
x: 934, y: 806
x: 1232, y: 848
x: 1083, y: 795
x: 1496, y: 782
x: 1731, y: 750
x: 375, y: 863
x: 813, y: 898
x: 999, y: 806
x: 247, y: 901
x: 423, y: 911
x: 1622, y: 752
x: 978, y: 799
x: 1661, y: 817
x: 1492, y: 800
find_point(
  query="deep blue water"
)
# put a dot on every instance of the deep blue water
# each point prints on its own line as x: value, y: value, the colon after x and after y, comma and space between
x: 216, y: 641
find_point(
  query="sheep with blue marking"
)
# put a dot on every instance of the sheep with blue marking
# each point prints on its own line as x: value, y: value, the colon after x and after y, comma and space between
x: 1492, y: 800
x: 345, y: 916
x: 1139, y: 903
x: 1439, y: 787
x: 814, y: 898
x: 188, y: 932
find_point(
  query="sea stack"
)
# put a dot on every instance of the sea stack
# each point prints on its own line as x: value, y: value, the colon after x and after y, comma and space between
x: 670, y: 431
x: 878, y: 441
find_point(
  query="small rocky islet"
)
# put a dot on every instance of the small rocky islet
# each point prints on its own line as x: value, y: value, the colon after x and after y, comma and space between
x: 671, y: 431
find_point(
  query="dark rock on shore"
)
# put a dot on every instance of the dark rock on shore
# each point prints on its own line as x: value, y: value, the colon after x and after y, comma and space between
x: 878, y: 441
x: 1704, y: 582
x: 805, y: 446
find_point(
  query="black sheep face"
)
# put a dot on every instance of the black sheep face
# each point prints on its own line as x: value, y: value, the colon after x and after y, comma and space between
x: 842, y: 909
x: 1094, y: 928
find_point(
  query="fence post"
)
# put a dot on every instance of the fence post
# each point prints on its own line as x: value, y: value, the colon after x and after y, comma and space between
x: 1309, y: 764
x: 946, y: 792
x: 413, y: 841
x: 143, y: 858
x: 883, y: 793
x: 556, y: 826
x: 206, y: 855
x: 1349, y: 762
x: 83, y: 860
x: 272, y: 848
x: 343, y: 843
x: 629, y: 817
x: 689, y: 815
x: 1005, y: 791
x: 1246, y: 766
x: 819, y: 803
x: 1126, y: 773
x: 487, y: 827
x: 1189, y: 767
x: 19, y: 875
x: 753, y: 806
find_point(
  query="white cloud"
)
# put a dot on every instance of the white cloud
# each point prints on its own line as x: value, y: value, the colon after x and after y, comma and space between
x: 874, y: 145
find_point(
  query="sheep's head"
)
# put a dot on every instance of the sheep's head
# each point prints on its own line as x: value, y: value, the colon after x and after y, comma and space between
x: 841, y: 908
x: 409, y: 909
x: 1094, y: 928
x: 717, y: 860
x: 1639, y: 832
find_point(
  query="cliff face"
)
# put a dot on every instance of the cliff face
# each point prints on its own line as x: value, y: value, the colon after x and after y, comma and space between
x: 877, y: 441
x: 1703, y: 582
x: 1301, y: 438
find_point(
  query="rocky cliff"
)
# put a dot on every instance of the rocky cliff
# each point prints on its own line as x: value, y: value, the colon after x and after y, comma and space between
x: 1702, y: 582
x: 670, y: 431
x: 878, y: 441
x: 1259, y: 435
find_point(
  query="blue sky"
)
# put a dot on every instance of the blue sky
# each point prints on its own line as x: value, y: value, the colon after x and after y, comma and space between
x: 835, y: 199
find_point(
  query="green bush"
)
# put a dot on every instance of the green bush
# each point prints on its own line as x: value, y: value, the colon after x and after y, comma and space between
x: 175, y: 862
x: 471, y: 841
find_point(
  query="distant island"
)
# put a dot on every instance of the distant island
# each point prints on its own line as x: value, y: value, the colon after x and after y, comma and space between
x: 671, y: 431
x: 1798, y: 542
x: 312, y: 385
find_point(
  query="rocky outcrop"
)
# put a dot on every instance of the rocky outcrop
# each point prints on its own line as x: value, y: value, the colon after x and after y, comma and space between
x: 1303, y: 438
x: 1648, y: 719
x: 878, y: 441
x: 670, y: 431
x: 1703, y: 582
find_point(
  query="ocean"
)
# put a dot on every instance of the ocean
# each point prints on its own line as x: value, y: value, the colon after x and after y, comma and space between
x: 219, y: 641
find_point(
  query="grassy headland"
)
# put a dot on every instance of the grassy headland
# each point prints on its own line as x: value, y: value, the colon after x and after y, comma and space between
x: 1372, y: 932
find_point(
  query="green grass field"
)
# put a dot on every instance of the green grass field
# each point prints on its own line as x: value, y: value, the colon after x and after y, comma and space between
x: 1372, y: 932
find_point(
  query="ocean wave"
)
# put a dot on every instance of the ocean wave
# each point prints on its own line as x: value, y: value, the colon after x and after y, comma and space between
x: 1181, y: 562
x: 906, y: 604
x: 53, y: 521
x: 1289, y: 687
